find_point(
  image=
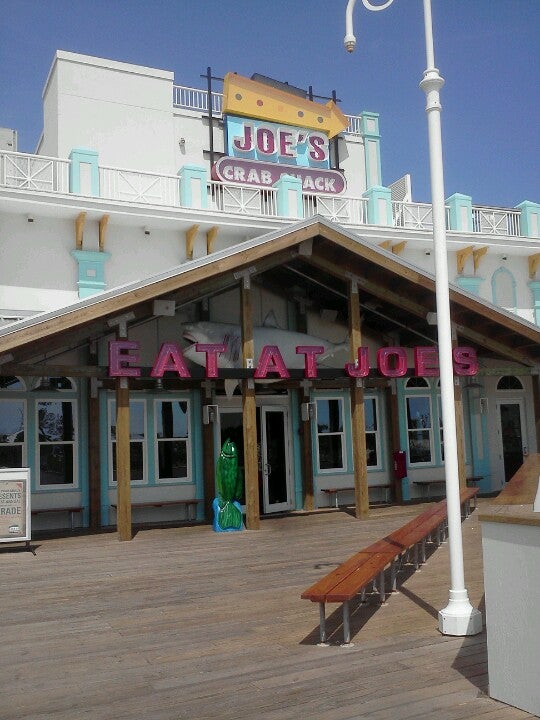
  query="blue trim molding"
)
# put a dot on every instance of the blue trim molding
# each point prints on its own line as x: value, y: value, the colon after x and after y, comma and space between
x: 193, y: 187
x: 379, y: 206
x: 460, y: 212
x: 79, y: 157
x: 289, y: 197
x: 369, y: 127
x: 91, y: 271
x: 529, y: 219
x: 535, y: 290
x: 470, y: 284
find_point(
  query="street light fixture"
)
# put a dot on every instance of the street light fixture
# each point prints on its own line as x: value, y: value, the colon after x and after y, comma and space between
x: 458, y: 617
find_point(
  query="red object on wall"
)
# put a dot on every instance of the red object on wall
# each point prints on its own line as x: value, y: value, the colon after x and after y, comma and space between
x: 400, y: 464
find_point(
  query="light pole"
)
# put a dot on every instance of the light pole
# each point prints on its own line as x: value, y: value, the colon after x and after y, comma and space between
x: 458, y: 617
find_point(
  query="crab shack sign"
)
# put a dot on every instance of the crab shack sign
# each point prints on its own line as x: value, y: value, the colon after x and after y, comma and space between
x: 391, y: 362
x: 270, y: 133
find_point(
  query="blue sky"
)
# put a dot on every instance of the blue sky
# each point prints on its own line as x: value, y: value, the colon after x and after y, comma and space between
x: 488, y: 51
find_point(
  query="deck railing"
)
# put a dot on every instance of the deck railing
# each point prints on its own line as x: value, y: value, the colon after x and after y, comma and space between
x: 51, y: 175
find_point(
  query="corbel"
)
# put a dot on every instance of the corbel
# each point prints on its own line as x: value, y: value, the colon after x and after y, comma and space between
x: 462, y: 257
x: 102, y: 231
x: 190, y: 239
x: 534, y: 262
x: 398, y: 248
x: 478, y: 256
x: 79, y: 228
x: 210, y: 239
x: 386, y: 245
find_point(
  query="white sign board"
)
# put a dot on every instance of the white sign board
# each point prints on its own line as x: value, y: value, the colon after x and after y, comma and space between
x: 14, y: 504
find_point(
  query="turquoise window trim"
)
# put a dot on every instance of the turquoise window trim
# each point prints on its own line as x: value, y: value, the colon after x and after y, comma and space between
x: 498, y: 273
x: 470, y: 284
x: 529, y: 222
x: 381, y: 430
x: 62, y: 396
x: 83, y: 156
x: 104, y: 456
x: 347, y: 434
x: 197, y: 448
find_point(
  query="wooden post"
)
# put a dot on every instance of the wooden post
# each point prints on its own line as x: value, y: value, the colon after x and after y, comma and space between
x: 94, y: 483
x: 393, y: 423
x: 357, y: 410
x: 123, y: 464
x: 249, y: 411
x: 460, y: 426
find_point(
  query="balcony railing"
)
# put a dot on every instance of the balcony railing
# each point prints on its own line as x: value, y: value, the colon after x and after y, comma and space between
x: 189, y: 98
x: 51, y: 175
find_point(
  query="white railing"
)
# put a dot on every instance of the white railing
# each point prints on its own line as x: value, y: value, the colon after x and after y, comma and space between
x: 337, y: 208
x: 416, y: 216
x: 242, y: 199
x: 193, y: 99
x: 496, y: 221
x: 40, y: 173
x: 139, y: 187
x: 34, y: 172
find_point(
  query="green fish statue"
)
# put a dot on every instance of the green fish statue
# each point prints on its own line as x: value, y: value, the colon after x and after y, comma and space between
x: 227, y: 509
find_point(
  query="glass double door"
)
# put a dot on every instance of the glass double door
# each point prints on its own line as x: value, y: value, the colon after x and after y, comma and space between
x: 273, y: 453
x: 512, y: 429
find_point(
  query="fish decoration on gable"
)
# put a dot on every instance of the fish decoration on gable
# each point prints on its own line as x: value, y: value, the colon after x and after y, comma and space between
x: 229, y: 334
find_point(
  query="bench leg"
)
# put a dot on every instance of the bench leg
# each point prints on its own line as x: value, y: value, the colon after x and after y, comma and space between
x: 393, y: 577
x: 382, y: 592
x: 416, y: 563
x: 346, y: 624
x: 322, y: 623
x: 423, y: 556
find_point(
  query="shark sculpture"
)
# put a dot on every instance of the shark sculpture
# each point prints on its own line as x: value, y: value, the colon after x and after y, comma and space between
x: 269, y: 333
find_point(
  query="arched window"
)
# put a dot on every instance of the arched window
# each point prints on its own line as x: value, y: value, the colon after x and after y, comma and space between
x: 503, y: 287
x: 417, y: 382
x: 10, y: 382
x: 509, y: 382
x: 54, y: 383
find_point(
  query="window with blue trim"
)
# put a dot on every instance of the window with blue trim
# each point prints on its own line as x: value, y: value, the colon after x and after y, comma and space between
x: 173, y: 442
x: 137, y: 440
x: 425, y: 439
x: 371, y: 414
x: 12, y: 423
x: 331, y: 455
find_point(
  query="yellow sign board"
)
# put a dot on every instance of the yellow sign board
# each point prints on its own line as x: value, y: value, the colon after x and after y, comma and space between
x: 249, y: 98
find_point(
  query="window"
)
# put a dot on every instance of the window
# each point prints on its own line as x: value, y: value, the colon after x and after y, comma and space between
x: 330, y: 434
x: 509, y: 382
x: 419, y: 429
x: 372, y: 432
x: 172, y: 440
x: 137, y: 434
x: 12, y: 421
x: 56, y: 442
x: 10, y: 382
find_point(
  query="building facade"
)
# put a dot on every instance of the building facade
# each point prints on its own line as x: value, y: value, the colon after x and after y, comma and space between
x: 180, y: 267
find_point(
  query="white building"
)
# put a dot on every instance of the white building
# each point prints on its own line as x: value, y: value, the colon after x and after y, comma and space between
x: 142, y: 211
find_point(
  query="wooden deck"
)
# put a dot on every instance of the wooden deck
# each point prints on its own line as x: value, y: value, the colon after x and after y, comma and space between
x: 184, y: 623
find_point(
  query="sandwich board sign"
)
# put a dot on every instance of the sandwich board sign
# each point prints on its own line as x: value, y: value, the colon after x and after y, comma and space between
x: 14, y: 505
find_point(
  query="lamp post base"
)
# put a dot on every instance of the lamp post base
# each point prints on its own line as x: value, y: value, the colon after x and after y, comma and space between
x: 459, y: 618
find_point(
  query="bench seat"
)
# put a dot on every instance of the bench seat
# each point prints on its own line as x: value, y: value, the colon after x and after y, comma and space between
x: 352, y: 577
x: 71, y: 510
x: 190, y: 505
x: 335, y: 492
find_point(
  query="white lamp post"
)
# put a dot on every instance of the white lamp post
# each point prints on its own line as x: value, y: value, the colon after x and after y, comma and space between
x: 458, y: 617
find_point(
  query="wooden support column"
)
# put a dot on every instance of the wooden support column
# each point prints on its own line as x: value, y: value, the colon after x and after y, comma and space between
x: 460, y: 425
x: 249, y: 411
x: 94, y: 450
x: 123, y: 463
x: 357, y: 410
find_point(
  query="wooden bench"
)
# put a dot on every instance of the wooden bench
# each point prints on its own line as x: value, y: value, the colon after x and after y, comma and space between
x: 333, y: 493
x: 368, y: 566
x: 471, y: 481
x: 190, y: 505
x: 71, y: 510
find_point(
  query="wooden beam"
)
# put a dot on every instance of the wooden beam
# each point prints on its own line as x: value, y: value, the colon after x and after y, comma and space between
x: 478, y: 255
x: 102, y: 232
x: 249, y: 410
x: 462, y: 257
x: 79, y: 229
x: 357, y: 409
x: 534, y: 262
x: 123, y: 461
x: 190, y: 239
x: 210, y: 239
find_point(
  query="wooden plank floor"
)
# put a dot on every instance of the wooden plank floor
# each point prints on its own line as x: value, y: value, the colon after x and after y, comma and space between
x: 187, y: 623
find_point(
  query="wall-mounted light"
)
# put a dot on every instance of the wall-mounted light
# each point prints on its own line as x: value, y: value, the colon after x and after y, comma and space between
x: 504, y: 257
x: 428, y: 252
x: 146, y: 230
x: 30, y: 218
x: 182, y: 143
